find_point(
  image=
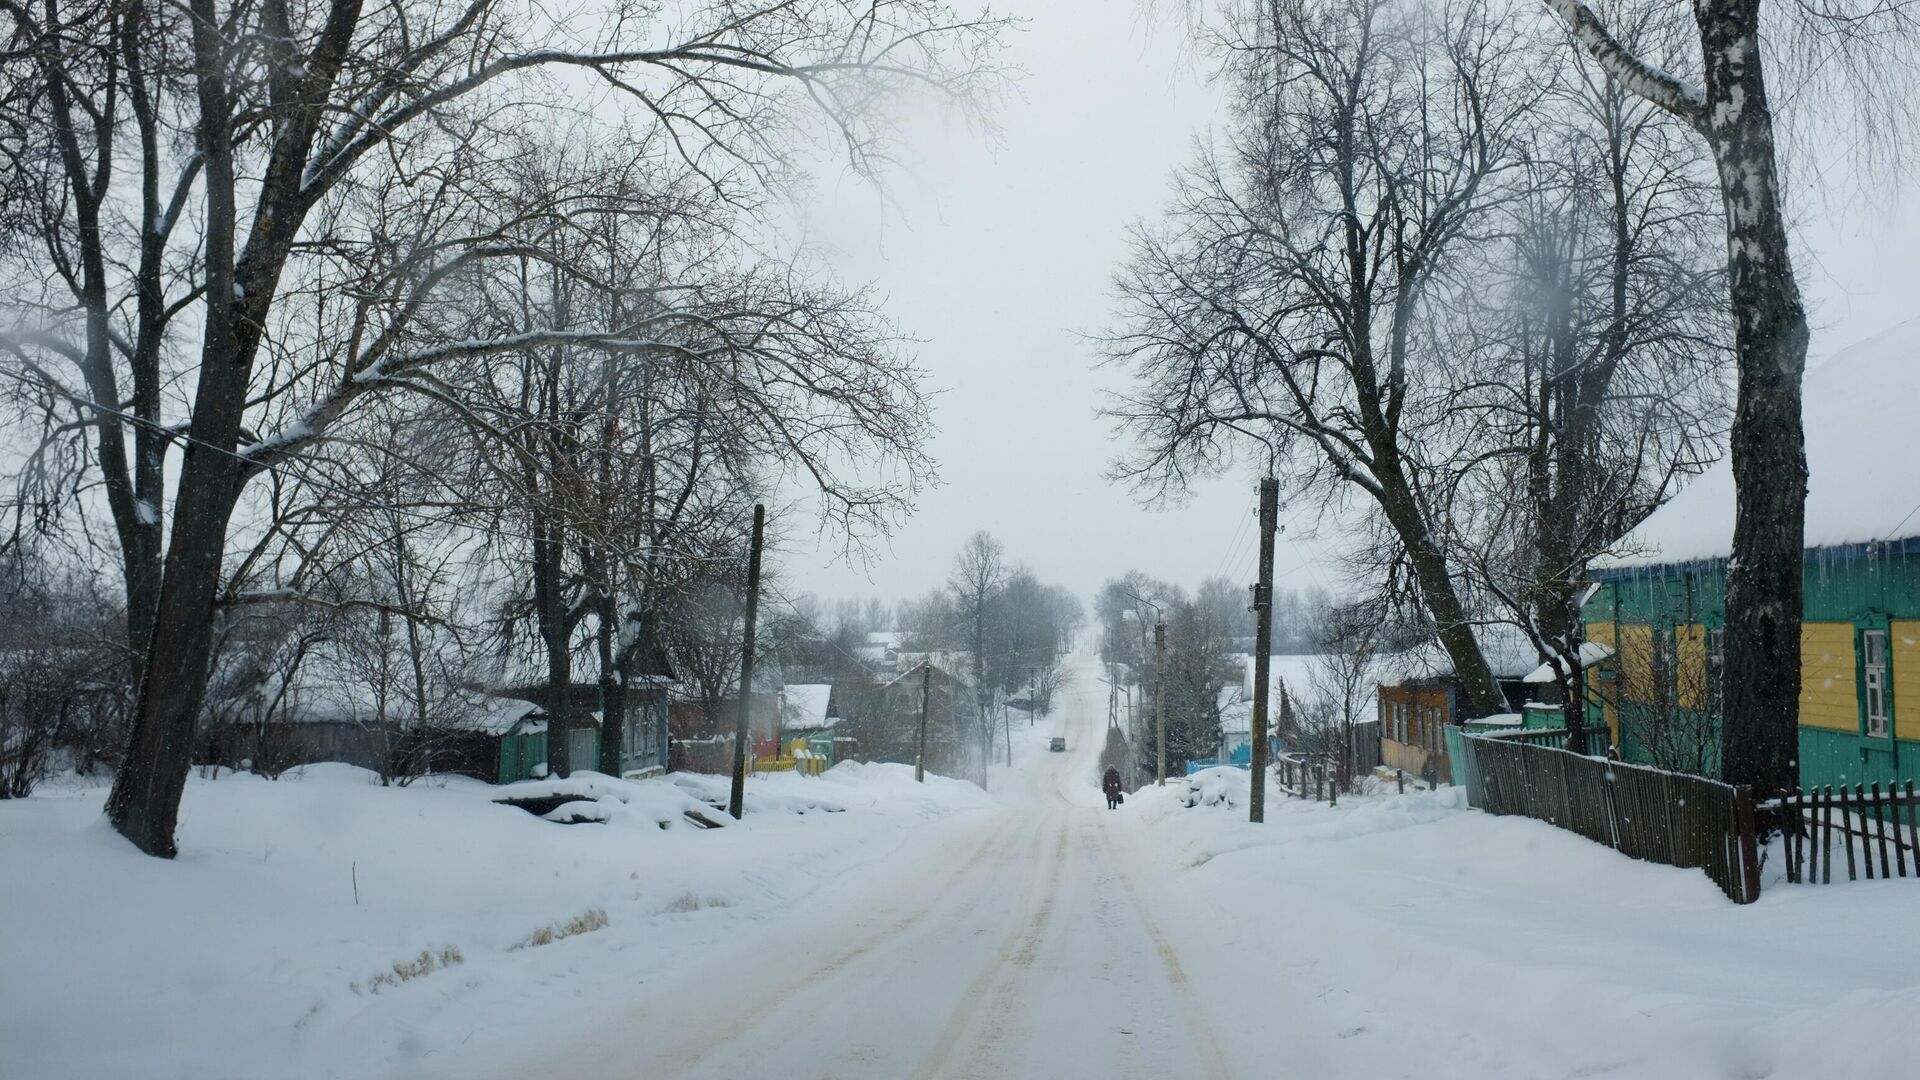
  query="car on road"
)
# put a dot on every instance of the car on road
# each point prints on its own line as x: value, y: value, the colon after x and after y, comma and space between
x: 1058, y: 745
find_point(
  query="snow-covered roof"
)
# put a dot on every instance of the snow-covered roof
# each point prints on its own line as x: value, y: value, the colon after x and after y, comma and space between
x: 958, y: 664
x: 1861, y: 442
x: 804, y: 705
x: 1507, y: 649
x: 497, y: 715
x: 1591, y: 653
x: 886, y: 639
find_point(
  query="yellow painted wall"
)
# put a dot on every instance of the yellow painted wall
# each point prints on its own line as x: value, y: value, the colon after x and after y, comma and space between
x: 1636, y: 662
x: 1903, y: 648
x: 1603, y: 685
x: 1690, y: 649
x: 1828, y: 695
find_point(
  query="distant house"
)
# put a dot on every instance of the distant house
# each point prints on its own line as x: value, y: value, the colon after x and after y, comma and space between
x: 1660, y: 606
x: 881, y: 651
x: 809, y: 725
x: 276, y: 702
x: 1419, y: 695
x: 805, y: 709
x: 891, y: 731
x: 522, y: 751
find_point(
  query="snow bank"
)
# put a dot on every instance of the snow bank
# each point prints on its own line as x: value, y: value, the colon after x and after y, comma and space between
x: 323, y: 925
x: 1393, y: 935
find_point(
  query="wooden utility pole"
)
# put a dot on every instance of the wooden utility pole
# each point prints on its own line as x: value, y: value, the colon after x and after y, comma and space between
x: 1159, y: 680
x: 1262, y: 649
x: 920, y: 755
x: 742, y: 731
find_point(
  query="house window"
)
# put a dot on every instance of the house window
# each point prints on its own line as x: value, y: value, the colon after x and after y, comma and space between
x: 1873, y: 666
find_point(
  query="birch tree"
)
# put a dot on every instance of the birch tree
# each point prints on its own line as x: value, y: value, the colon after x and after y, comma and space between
x: 1862, y: 52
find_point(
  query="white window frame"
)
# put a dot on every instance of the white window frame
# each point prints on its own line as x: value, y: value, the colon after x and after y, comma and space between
x: 1873, y: 679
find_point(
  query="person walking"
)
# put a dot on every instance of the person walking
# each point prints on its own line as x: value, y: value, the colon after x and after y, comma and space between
x: 1111, y: 785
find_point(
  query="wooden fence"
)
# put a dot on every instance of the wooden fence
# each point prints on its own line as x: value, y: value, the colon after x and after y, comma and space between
x: 1651, y: 814
x: 1309, y: 776
x: 1365, y: 744
x: 1808, y: 822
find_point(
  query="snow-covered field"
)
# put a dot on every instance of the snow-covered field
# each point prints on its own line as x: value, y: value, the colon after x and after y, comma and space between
x: 268, y: 948
x: 920, y: 931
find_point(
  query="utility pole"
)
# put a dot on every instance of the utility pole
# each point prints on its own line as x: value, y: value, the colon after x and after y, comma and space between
x: 1159, y: 680
x: 920, y: 755
x: 1262, y: 649
x: 737, y: 802
x: 1006, y: 727
x: 981, y: 703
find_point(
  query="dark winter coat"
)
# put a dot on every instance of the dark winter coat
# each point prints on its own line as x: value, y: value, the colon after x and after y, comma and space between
x: 1111, y: 783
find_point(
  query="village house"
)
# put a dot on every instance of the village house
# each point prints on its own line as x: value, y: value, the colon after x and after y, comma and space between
x: 1660, y: 606
x: 1419, y: 695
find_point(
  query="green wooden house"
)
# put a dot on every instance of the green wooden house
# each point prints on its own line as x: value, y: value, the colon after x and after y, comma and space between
x: 1660, y: 606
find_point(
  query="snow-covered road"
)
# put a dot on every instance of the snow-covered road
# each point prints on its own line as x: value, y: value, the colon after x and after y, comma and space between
x: 927, y: 931
x: 1011, y: 942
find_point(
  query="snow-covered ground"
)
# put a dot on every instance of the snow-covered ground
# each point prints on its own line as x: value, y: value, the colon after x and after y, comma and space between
x: 1410, y: 936
x: 924, y: 931
x: 268, y: 948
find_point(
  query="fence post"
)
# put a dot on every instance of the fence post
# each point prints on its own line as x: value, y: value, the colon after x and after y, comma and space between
x: 1749, y: 843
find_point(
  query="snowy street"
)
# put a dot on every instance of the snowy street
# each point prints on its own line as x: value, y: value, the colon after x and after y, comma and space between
x: 1388, y: 936
x: 1015, y: 942
x: 927, y: 931
x: 650, y: 541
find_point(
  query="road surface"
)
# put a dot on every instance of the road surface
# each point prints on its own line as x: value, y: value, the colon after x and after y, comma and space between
x: 1014, y: 943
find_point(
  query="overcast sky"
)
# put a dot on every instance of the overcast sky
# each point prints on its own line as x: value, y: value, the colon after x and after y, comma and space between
x: 996, y: 252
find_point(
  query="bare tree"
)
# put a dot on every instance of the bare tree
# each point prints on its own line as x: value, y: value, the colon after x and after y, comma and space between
x: 307, y: 137
x: 1340, y: 685
x: 978, y: 578
x: 1284, y: 300
x: 1048, y: 683
x: 1599, y: 355
x: 1666, y: 697
x: 1864, y: 48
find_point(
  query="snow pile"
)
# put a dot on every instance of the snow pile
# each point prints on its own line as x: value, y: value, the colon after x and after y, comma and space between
x: 1408, y: 932
x: 1858, y: 409
x: 324, y: 925
x: 1222, y: 785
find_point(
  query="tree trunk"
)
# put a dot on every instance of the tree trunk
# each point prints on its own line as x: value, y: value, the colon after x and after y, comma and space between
x: 1759, y: 731
x: 549, y: 553
x: 614, y: 671
x: 144, y: 804
x: 1482, y: 690
x: 145, y: 800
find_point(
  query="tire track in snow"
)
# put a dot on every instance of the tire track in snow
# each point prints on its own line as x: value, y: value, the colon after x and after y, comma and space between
x: 1011, y: 959
x: 1206, y: 1042
x: 693, y: 1051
